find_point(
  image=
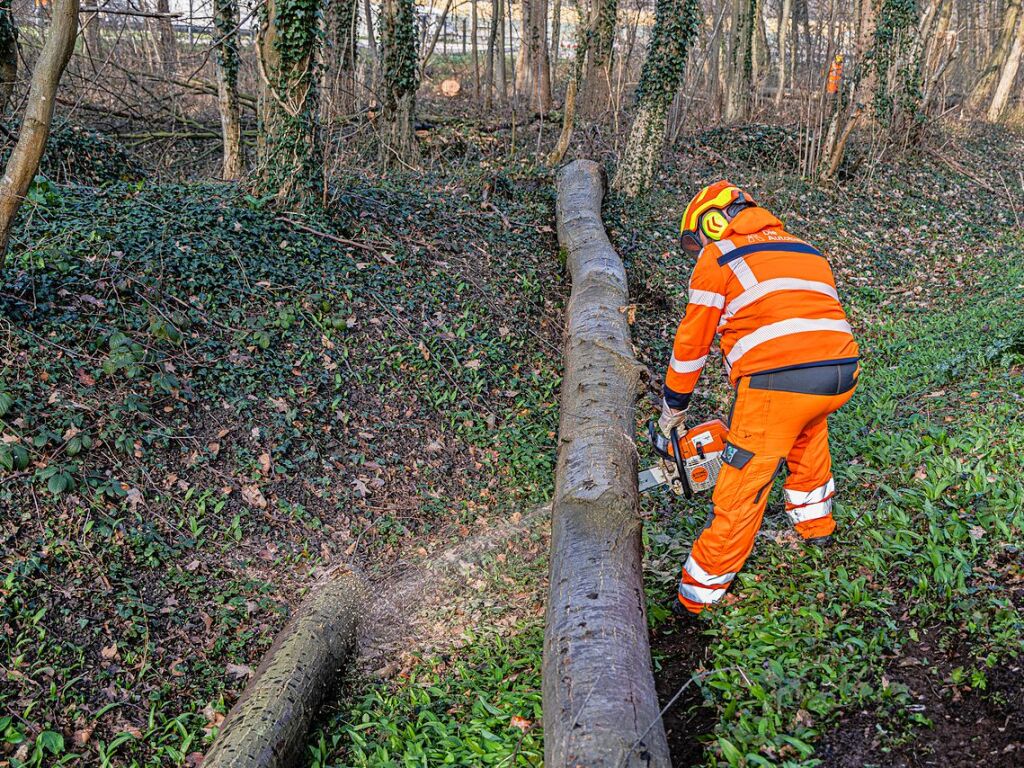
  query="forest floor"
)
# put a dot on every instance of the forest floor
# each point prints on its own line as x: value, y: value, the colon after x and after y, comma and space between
x: 204, y: 405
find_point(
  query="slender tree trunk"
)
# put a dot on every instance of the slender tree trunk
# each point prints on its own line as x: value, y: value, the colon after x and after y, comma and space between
x: 35, y: 126
x: 499, y: 50
x: 492, y: 40
x: 474, y: 30
x: 676, y: 23
x: 983, y: 90
x: 595, y: 90
x: 168, y: 43
x: 785, y: 17
x: 1007, y: 74
x: 290, y: 148
x: 438, y: 32
x: 741, y: 61
x: 556, y: 36
x: 371, y: 38
x: 226, y: 19
x: 534, y: 78
x: 8, y: 57
x: 600, y: 705
x: 399, y: 81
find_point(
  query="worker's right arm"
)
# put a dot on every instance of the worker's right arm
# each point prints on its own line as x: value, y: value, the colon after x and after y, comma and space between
x: 697, y: 329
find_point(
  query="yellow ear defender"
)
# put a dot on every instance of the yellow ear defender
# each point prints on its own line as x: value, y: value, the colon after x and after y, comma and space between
x: 713, y: 224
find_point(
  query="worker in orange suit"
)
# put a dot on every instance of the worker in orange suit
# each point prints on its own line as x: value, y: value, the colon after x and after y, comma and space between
x: 835, y: 75
x: 790, y: 354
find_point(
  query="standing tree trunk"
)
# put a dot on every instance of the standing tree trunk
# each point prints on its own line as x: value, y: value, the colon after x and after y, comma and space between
x: 595, y: 90
x: 371, y: 39
x: 226, y: 19
x: 981, y: 94
x: 533, y: 78
x: 35, y: 127
x: 785, y: 19
x: 474, y: 30
x: 600, y: 705
x: 168, y: 43
x: 1007, y: 74
x: 861, y: 91
x: 676, y: 23
x: 343, y: 33
x: 741, y: 61
x: 556, y: 36
x: 8, y: 55
x: 499, y: 50
x: 399, y: 81
x: 290, y: 149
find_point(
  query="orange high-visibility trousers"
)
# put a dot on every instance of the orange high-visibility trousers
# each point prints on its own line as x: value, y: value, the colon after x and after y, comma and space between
x: 769, y: 428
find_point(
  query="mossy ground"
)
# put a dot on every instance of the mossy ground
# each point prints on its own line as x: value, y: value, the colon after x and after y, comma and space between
x: 204, y: 405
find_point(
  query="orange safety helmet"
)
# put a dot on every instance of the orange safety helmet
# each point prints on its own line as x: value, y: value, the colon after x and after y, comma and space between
x: 709, y: 212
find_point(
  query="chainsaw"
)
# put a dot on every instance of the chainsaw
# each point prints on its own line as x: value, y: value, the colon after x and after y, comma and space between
x: 688, y: 463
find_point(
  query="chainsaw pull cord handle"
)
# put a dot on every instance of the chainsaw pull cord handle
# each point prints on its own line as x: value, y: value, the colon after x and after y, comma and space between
x: 677, y: 454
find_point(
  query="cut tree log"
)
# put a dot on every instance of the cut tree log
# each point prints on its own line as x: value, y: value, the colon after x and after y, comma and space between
x: 600, y: 705
x: 267, y: 727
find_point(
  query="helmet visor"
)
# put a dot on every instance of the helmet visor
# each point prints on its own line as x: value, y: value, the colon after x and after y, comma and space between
x: 689, y: 241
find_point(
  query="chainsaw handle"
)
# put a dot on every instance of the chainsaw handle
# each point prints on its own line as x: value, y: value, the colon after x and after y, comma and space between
x: 670, y: 450
x: 677, y: 454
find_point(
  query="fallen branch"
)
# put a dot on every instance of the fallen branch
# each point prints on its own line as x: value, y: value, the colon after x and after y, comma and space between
x: 267, y: 727
x: 600, y: 704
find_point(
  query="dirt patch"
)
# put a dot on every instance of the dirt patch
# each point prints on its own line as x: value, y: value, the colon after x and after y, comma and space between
x: 970, y: 727
x: 679, y: 651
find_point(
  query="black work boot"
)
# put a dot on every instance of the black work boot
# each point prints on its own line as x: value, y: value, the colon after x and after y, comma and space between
x: 685, y: 616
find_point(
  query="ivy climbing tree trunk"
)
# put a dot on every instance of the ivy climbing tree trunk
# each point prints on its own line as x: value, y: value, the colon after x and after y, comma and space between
x: 290, y: 152
x: 533, y: 76
x: 226, y: 22
x: 595, y: 89
x: 741, y: 61
x: 35, y: 127
x: 8, y: 54
x: 981, y: 94
x: 399, y: 81
x: 1007, y: 74
x: 676, y: 23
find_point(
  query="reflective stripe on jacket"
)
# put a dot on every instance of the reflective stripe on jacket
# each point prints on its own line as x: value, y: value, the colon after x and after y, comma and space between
x: 773, y: 299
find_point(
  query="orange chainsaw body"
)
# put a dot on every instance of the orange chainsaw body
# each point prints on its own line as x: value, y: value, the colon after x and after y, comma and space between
x: 700, y: 448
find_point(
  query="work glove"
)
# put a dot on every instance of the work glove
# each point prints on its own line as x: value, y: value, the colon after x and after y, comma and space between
x: 670, y: 418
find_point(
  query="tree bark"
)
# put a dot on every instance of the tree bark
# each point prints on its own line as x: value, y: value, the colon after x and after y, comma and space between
x: 267, y: 727
x: 983, y: 90
x: 226, y: 20
x: 35, y: 127
x: 399, y: 81
x: 595, y: 89
x: 556, y: 37
x: 474, y: 30
x: 341, y: 59
x: 1007, y: 74
x: 600, y: 705
x: 289, y: 147
x: 676, y: 23
x: 533, y: 78
x: 785, y: 19
x: 168, y: 43
x: 8, y: 54
x: 741, y: 61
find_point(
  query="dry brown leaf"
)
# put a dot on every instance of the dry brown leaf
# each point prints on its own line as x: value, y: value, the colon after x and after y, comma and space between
x: 254, y: 497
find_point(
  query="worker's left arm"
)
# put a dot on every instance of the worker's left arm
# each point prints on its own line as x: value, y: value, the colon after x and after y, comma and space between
x: 696, y: 331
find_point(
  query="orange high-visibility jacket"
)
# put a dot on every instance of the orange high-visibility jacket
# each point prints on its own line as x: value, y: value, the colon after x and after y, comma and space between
x: 835, y: 76
x: 773, y: 299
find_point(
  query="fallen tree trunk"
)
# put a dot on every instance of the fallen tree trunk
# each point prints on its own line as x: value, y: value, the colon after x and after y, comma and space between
x: 267, y: 727
x: 600, y: 705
